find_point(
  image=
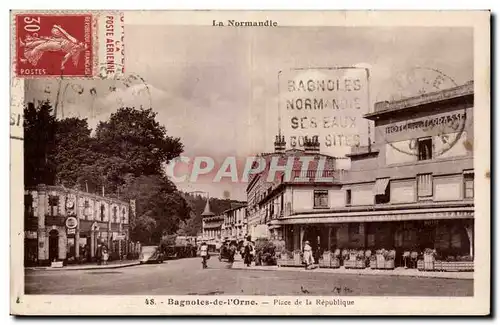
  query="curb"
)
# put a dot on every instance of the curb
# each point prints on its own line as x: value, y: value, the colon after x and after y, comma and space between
x: 82, y: 268
x: 318, y: 270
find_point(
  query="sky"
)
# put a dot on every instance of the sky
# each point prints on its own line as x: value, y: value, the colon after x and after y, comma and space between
x: 217, y: 88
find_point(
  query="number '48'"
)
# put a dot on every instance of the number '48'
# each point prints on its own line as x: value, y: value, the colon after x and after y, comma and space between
x: 150, y: 301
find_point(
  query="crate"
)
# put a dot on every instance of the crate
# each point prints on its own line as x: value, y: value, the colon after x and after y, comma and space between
x: 389, y: 265
x: 458, y: 266
x: 373, y: 264
x: 297, y: 259
x: 354, y: 264
x: 350, y: 264
x: 335, y: 263
x: 420, y: 265
x: 360, y: 264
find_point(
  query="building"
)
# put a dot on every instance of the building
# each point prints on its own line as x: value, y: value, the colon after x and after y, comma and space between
x: 66, y: 225
x: 273, y: 198
x: 235, y: 222
x: 412, y: 189
x: 211, y: 227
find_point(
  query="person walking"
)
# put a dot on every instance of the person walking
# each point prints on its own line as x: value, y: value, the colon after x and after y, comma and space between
x: 308, y: 255
x: 248, y: 252
x: 105, y: 255
x: 98, y: 254
x: 204, y: 254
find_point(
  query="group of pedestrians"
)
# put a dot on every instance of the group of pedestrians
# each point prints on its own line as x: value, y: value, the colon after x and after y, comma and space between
x: 229, y: 250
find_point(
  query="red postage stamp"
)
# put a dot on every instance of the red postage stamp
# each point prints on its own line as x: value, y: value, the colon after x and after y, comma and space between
x: 54, y: 45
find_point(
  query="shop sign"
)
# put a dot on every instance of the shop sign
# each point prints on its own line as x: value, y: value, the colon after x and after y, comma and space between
x: 120, y: 237
x: 30, y: 234
x: 71, y: 231
x: 71, y: 222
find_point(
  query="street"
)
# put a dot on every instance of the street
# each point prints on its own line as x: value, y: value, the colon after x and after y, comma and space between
x: 186, y: 277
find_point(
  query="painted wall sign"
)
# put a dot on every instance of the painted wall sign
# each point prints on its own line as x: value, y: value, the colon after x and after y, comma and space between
x: 327, y: 103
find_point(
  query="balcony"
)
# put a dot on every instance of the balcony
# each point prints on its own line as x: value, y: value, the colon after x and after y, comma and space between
x: 311, y: 175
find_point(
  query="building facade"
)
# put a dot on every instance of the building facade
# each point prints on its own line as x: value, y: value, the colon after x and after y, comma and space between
x: 313, y: 181
x: 235, y: 223
x: 66, y: 225
x: 211, y: 227
x: 412, y: 189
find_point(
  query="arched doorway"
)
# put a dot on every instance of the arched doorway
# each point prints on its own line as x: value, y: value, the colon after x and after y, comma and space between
x: 53, y: 245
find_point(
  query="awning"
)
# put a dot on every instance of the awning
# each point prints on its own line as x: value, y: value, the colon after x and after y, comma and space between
x: 380, y: 186
x: 379, y: 216
x: 469, y: 172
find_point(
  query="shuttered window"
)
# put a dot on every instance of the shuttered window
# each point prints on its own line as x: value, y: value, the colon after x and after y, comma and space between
x: 469, y: 185
x: 424, y: 185
x: 321, y: 199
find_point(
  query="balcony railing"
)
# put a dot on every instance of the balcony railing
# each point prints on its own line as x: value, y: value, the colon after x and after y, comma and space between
x: 315, y: 176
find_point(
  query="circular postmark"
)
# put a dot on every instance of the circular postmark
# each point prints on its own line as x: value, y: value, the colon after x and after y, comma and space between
x: 414, y: 87
x: 93, y: 97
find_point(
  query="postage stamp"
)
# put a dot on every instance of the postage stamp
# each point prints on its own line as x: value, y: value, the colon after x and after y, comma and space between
x: 219, y: 164
x: 54, y: 44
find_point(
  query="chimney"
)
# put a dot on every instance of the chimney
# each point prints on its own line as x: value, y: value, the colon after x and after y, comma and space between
x: 311, y: 145
x: 279, y: 144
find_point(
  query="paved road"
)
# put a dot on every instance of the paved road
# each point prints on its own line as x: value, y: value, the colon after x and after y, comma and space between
x: 186, y: 277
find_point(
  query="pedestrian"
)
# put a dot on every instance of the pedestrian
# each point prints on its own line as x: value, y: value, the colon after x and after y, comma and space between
x: 98, y: 254
x: 105, y: 255
x: 204, y: 254
x: 308, y: 257
x: 248, y: 252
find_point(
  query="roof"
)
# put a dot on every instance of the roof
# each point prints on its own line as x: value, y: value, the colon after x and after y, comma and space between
x: 390, y: 108
x: 207, y: 212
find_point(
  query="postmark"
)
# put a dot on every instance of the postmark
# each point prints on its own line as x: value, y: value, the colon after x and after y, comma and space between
x: 54, y: 44
x: 92, y: 98
x: 414, y: 87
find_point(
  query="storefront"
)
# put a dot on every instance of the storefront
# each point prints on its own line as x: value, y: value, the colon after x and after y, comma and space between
x: 450, y: 231
x: 70, y: 224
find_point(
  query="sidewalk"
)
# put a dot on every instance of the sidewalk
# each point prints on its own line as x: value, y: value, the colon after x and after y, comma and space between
x: 400, y: 271
x: 94, y: 266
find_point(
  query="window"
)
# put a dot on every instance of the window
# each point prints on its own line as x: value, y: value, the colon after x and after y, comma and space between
x: 53, y: 204
x: 424, y: 186
x: 114, y: 214
x: 321, y: 199
x: 424, y: 148
x: 123, y: 216
x: 86, y: 209
x: 28, y: 205
x: 102, y: 212
x: 469, y: 186
x: 382, y: 191
x: 348, y: 197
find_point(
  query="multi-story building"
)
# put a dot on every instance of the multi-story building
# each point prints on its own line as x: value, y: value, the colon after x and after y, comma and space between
x: 211, y: 227
x: 235, y: 222
x: 62, y: 224
x: 412, y: 189
x: 272, y: 198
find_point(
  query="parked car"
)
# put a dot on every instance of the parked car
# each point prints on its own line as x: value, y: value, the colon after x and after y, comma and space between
x: 151, y: 254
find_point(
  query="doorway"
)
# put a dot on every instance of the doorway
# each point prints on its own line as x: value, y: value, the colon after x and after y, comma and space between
x: 53, y: 245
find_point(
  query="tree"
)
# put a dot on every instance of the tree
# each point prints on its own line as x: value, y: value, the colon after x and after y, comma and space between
x: 138, y: 141
x: 39, y: 144
x: 142, y: 229
x: 158, y: 198
x: 73, y: 152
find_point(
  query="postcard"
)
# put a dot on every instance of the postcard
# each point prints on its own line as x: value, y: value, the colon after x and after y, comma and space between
x: 250, y: 163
